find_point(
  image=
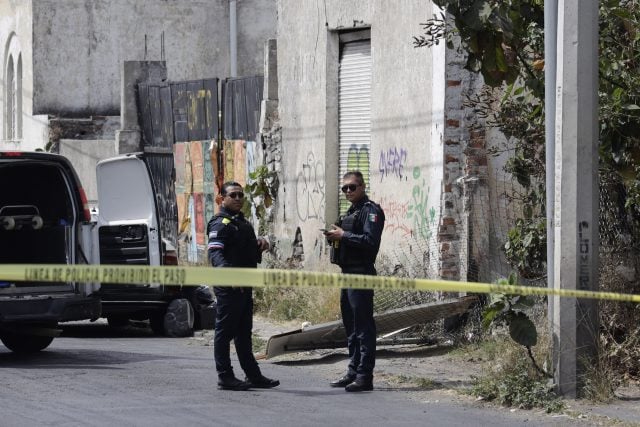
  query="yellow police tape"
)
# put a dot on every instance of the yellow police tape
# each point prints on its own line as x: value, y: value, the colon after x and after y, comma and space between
x: 195, y: 276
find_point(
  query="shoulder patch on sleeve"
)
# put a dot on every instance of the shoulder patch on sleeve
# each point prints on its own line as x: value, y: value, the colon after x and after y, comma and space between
x: 226, y: 221
x: 373, y: 217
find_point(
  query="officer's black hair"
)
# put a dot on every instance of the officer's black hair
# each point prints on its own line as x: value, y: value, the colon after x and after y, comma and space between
x: 223, y: 189
x: 356, y: 174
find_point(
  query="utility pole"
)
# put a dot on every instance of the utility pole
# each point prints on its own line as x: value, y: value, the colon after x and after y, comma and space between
x: 575, y: 321
x: 550, y: 57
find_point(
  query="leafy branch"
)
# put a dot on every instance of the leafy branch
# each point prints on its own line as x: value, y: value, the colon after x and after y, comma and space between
x: 262, y: 189
x: 508, y: 310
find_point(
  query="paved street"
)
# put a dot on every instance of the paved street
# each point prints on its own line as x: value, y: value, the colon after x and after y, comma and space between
x: 95, y: 376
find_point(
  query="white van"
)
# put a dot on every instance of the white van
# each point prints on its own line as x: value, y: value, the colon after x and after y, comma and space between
x: 128, y: 232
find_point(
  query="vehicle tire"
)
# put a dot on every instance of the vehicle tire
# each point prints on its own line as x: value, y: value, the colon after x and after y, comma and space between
x: 36, y: 222
x: 20, y: 343
x: 117, y: 321
x: 156, y: 322
x: 8, y: 223
x: 203, y: 302
x: 178, y: 320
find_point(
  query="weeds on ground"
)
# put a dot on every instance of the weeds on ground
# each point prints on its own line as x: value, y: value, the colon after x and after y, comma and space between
x: 258, y: 344
x: 312, y: 305
x: 304, y: 304
x: 511, y: 380
x: 600, y: 378
x: 517, y: 387
x: 419, y: 382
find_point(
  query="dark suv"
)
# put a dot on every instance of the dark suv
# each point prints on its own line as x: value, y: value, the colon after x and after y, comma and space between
x: 44, y: 219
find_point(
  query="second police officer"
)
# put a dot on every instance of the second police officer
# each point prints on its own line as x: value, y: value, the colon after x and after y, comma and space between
x: 233, y: 243
x: 355, y: 244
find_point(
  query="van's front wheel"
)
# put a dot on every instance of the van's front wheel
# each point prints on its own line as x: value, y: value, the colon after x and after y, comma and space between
x: 22, y: 343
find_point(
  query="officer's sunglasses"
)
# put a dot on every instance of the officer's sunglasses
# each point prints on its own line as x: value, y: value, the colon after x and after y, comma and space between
x: 349, y: 187
x: 236, y: 195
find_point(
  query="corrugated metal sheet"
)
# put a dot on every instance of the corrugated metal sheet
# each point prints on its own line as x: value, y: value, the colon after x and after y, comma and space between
x: 241, y: 107
x: 354, y: 103
x: 161, y: 169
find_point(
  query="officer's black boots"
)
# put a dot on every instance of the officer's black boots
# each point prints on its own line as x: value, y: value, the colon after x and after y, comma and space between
x: 343, y: 381
x: 262, y: 382
x: 230, y: 382
x: 360, y: 384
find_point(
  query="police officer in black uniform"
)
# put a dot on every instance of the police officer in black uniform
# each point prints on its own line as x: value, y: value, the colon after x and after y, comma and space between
x: 355, y: 242
x: 233, y: 243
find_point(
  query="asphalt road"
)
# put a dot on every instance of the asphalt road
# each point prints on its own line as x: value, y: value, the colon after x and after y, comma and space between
x: 96, y: 376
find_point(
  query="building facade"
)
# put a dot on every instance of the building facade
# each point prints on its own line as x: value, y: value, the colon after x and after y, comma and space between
x: 64, y: 58
x: 354, y: 93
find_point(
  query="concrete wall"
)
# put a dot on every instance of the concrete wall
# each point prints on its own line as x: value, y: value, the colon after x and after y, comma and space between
x: 79, y: 46
x: 257, y: 22
x: 15, y: 39
x: 84, y: 155
x: 73, y: 50
x: 406, y: 119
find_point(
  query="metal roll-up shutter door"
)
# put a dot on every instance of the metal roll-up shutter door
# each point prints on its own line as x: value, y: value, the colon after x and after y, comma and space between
x: 354, y: 103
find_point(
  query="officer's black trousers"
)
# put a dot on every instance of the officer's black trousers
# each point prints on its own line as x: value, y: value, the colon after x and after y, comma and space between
x: 234, y: 321
x: 356, y: 306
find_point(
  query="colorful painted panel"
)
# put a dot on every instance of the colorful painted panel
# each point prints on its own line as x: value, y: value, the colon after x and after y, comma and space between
x: 183, y: 214
x: 198, y: 204
x: 207, y: 174
x: 229, y: 146
x: 188, y: 174
x: 192, y: 255
x: 239, y: 162
x: 197, y: 166
x: 179, y: 154
x: 209, y: 207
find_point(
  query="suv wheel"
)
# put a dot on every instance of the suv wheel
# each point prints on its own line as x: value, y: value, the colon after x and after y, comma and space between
x: 178, y: 320
x: 156, y: 322
x: 21, y: 343
x: 117, y: 321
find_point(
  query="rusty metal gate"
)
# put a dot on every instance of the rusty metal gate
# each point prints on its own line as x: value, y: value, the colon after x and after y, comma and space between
x: 176, y: 117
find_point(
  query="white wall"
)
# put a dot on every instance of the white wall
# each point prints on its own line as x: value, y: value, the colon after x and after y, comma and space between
x: 85, y: 155
x: 79, y: 45
x: 72, y: 50
x: 15, y: 39
x: 403, y: 116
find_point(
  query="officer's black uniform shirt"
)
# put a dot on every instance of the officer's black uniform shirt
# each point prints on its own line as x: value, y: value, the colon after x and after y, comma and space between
x: 232, y: 241
x: 363, y: 242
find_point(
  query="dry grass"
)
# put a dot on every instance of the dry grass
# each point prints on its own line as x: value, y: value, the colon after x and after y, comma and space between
x: 311, y: 305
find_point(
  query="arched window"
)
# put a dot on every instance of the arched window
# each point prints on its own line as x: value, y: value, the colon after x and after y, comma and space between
x: 18, y: 100
x: 10, y: 112
x: 12, y: 120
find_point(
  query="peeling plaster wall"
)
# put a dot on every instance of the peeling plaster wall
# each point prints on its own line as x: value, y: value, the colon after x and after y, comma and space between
x: 406, y: 125
x: 73, y: 50
x: 79, y: 45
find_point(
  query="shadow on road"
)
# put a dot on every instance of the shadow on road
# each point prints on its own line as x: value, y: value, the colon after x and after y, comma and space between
x: 71, y: 357
x: 381, y: 353
x: 80, y: 359
x: 102, y: 330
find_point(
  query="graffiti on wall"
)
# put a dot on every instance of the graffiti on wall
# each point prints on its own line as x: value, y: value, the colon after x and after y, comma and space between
x: 422, y: 218
x: 358, y: 159
x: 412, y: 216
x: 392, y: 163
x: 395, y: 212
x: 310, y: 189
